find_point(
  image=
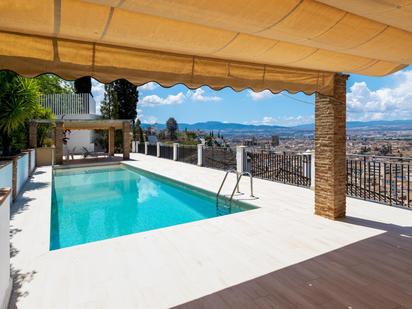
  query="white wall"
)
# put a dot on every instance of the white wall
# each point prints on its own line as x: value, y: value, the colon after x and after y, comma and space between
x: 79, y: 138
x: 5, y: 282
x: 22, y: 171
x: 6, y: 174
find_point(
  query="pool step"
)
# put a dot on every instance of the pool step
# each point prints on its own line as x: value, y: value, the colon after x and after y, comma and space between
x: 224, y: 207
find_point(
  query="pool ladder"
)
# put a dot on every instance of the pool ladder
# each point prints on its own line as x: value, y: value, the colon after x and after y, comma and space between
x: 226, y: 208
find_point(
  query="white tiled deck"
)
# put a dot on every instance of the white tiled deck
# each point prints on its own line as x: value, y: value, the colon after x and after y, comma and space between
x: 175, y: 265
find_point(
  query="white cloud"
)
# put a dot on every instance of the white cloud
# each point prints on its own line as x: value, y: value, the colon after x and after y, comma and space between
x: 98, y: 93
x: 199, y: 96
x: 262, y: 95
x: 150, y: 86
x: 388, y: 103
x: 155, y: 100
x: 283, y: 121
x: 148, y: 119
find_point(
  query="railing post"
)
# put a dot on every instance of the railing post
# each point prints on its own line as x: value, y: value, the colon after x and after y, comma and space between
x: 175, y: 151
x: 199, y: 154
x: 158, y: 149
x: 241, y: 159
x: 312, y: 169
x: 146, y: 145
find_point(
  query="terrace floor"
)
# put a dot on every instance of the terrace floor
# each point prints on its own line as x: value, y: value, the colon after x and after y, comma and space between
x: 277, y: 256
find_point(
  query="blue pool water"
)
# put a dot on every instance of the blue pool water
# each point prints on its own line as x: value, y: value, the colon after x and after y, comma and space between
x: 91, y: 204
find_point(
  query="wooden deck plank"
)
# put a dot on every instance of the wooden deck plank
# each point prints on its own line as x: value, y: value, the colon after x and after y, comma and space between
x: 377, y: 275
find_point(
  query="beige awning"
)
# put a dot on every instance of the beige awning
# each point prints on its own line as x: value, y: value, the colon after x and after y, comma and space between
x: 262, y: 44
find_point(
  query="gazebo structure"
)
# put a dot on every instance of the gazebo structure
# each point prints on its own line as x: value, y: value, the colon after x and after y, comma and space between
x: 62, y: 125
x: 293, y: 45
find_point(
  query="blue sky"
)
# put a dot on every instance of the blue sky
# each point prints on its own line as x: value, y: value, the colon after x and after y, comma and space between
x: 368, y: 98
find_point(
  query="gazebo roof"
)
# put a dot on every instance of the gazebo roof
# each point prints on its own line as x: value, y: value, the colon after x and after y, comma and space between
x: 87, y: 124
x: 295, y: 45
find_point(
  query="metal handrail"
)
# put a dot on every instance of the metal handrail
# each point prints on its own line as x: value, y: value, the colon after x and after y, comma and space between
x: 237, y: 184
x: 236, y: 188
x: 224, y: 180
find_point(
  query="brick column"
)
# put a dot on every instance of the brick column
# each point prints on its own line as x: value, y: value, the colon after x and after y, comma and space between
x: 111, y: 135
x: 33, y: 134
x: 58, y: 142
x: 330, y: 151
x: 126, y: 140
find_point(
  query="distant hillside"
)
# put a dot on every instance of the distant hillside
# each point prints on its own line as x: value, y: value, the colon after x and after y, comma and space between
x: 218, y: 126
x: 238, y: 128
x: 368, y: 125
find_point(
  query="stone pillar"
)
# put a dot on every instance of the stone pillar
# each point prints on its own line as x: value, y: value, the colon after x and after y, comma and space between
x: 111, y: 137
x: 241, y: 159
x: 33, y: 134
x: 330, y: 151
x: 158, y: 149
x: 126, y: 140
x: 146, y: 148
x: 199, y: 154
x: 175, y: 151
x: 58, y: 142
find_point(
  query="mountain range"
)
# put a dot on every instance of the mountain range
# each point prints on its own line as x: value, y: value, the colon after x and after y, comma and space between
x: 236, y: 128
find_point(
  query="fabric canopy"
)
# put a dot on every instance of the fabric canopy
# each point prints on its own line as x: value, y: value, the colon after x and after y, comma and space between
x: 293, y: 45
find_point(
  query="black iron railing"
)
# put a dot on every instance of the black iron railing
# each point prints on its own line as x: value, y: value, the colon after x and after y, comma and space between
x: 187, y: 153
x: 152, y: 150
x: 223, y: 158
x: 287, y: 168
x: 382, y: 179
x: 140, y: 148
x: 166, y: 151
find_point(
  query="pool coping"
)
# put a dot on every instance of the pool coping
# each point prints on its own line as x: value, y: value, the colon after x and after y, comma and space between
x: 246, y: 206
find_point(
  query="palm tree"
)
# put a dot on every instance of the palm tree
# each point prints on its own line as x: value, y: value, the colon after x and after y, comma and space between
x: 19, y: 100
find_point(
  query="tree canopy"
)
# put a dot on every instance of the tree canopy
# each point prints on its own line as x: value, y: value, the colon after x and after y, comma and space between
x: 109, y: 107
x: 172, y: 127
x: 50, y: 84
x: 127, y: 96
x: 19, y: 101
x: 120, y: 100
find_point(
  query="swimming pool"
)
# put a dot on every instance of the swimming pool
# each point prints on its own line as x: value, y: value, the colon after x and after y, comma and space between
x: 96, y: 203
